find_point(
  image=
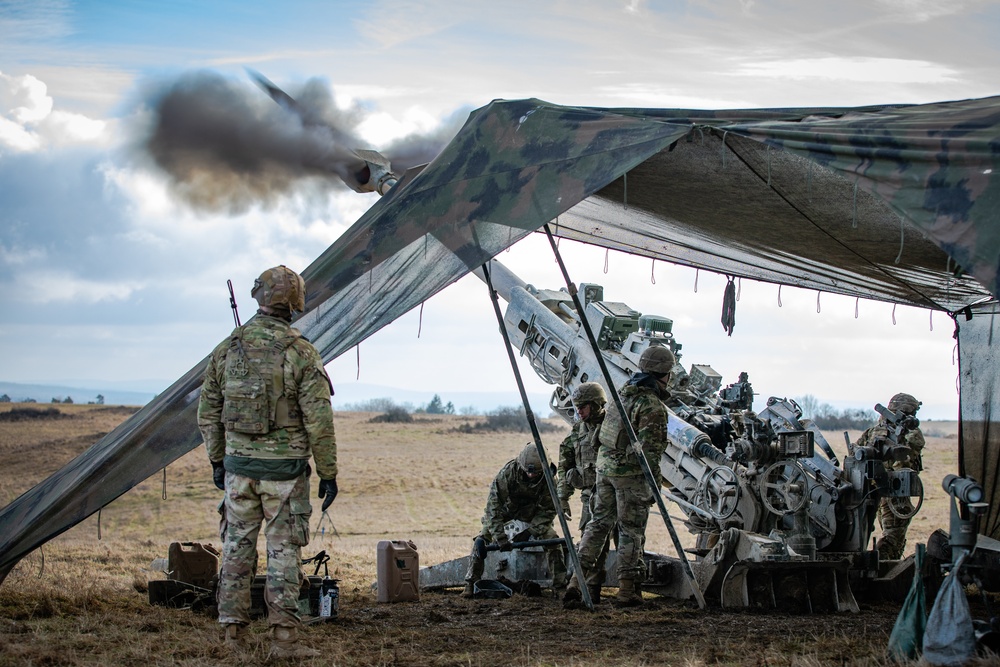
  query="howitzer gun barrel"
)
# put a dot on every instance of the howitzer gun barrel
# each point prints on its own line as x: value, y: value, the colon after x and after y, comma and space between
x: 503, y: 279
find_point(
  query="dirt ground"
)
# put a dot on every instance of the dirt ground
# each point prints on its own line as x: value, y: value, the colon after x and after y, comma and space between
x: 82, y: 601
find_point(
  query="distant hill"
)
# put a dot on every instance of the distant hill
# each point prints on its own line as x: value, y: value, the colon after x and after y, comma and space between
x: 349, y: 394
x: 44, y: 393
x: 346, y: 394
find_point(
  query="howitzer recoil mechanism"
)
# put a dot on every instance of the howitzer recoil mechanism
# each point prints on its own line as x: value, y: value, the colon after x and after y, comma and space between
x: 764, y: 492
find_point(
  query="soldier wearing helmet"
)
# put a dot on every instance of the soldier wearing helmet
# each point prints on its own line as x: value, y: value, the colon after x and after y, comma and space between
x: 622, y: 494
x: 264, y: 411
x: 893, y: 541
x: 519, y: 493
x: 578, y: 457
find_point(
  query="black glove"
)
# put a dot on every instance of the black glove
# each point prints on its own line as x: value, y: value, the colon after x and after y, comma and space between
x: 523, y: 536
x: 327, y: 491
x: 219, y: 475
x: 504, y: 543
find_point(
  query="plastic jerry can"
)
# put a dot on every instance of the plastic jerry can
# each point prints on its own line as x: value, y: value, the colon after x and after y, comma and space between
x: 398, y: 571
x: 193, y: 563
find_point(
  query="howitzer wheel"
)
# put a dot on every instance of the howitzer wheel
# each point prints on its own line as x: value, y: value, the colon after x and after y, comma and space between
x: 720, y: 492
x: 784, y: 487
x: 903, y: 507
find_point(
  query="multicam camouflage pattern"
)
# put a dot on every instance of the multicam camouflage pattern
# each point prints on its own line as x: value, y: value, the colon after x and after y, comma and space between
x: 513, y: 497
x: 285, y: 508
x: 624, y: 500
x: 578, y: 463
x: 299, y: 400
x: 616, y: 456
x: 623, y: 495
x: 280, y: 287
x: 892, y: 543
x: 517, y: 165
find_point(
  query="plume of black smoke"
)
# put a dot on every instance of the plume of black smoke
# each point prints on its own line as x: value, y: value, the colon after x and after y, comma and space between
x: 225, y: 145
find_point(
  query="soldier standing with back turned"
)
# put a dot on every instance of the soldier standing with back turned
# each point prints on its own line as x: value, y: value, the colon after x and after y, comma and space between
x: 622, y: 494
x: 264, y: 410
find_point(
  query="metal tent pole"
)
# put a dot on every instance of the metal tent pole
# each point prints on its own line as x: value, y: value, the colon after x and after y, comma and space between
x: 629, y: 429
x: 574, y: 556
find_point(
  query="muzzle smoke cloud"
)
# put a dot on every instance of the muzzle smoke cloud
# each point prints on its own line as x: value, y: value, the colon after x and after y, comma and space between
x: 226, y: 145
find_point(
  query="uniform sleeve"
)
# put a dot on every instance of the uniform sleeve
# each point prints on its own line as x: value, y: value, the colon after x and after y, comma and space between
x: 210, y: 408
x: 493, y: 519
x: 915, y: 441
x: 541, y: 523
x: 317, y: 413
x: 567, y: 461
x: 651, y: 429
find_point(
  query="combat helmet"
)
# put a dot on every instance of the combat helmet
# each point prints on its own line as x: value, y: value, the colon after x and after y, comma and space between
x: 656, y: 360
x: 589, y: 392
x: 905, y: 403
x: 280, y: 291
x: 529, y: 461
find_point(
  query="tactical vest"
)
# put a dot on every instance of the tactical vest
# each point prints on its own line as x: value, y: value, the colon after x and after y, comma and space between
x: 254, y: 391
x: 612, y: 437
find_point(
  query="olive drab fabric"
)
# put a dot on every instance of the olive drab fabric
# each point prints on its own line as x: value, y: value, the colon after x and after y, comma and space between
x: 578, y: 452
x: 895, y: 203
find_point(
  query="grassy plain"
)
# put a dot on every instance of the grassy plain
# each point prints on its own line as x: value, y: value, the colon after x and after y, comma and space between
x: 81, y: 600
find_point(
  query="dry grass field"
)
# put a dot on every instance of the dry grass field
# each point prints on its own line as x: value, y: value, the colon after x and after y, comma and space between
x: 81, y: 600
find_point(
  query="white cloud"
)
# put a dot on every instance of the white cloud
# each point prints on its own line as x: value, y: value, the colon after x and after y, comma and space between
x: 854, y: 69
x: 28, y: 122
x: 17, y: 256
x: 50, y: 286
x: 923, y: 10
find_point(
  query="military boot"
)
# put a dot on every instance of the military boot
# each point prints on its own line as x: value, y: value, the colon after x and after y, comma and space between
x: 628, y: 594
x: 234, y: 636
x: 285, y: 644
x: 595, y: 592
x: 469, y: 590
x: 572, y: 599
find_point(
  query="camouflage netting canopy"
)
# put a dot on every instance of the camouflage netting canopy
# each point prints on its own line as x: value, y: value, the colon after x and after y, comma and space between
x: 898, y: 203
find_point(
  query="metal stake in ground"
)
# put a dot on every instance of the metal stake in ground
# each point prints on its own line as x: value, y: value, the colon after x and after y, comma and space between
x: 629, y: 429
x: 574, y: 557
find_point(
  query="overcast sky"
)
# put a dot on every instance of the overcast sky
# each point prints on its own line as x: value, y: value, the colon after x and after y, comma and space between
x: 111, y: 272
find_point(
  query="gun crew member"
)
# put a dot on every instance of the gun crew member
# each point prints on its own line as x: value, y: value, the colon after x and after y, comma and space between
x: 893, y: 541
x: 622, y: 493
x: 519, y: 493
x: 264, y: 410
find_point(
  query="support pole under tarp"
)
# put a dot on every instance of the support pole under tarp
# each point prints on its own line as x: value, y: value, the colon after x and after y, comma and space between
x: 570, y: 547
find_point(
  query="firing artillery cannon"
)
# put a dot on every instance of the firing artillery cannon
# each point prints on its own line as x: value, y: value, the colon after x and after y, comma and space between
x: 780, y: 522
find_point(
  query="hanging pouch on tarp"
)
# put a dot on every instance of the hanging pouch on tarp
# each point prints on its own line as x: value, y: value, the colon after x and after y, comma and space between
x: 907, y: 636
x: 950, y: 638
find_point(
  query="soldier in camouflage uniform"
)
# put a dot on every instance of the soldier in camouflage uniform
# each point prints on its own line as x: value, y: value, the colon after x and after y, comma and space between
x: 519, y: 493
x: 893, y: 541
x: 578, y: 452
x: 264, y: 410
x: 578, y: 460
x: 622, y: 494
